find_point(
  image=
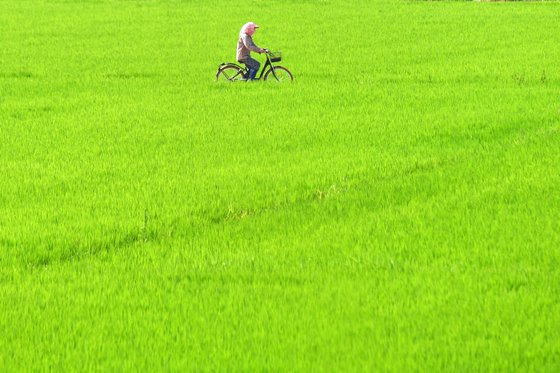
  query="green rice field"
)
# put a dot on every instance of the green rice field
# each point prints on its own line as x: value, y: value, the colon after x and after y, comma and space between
x: 396, y: 208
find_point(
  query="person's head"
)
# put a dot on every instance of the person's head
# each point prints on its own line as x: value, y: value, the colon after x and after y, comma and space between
x: 249, y: 28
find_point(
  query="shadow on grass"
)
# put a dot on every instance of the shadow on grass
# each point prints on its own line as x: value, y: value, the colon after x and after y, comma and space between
x: 77, y: 251
x: 16, y: 75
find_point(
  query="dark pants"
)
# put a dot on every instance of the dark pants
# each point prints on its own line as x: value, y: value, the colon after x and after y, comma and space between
x: 253, y: 66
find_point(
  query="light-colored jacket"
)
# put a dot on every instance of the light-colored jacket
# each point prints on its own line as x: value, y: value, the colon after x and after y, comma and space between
x: 246, y: 45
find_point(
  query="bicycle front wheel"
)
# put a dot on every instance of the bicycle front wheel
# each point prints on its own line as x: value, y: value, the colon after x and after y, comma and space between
x: 229, y: 73
x: 279, y: 74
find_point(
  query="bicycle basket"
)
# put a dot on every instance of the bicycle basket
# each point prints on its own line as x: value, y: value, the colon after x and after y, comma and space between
x: 275, y: 56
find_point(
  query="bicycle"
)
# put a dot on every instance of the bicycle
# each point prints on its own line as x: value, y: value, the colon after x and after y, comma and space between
x: 232, y: 72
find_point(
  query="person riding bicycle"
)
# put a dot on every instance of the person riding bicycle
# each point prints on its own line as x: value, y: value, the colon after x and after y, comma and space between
x: 246, y: 45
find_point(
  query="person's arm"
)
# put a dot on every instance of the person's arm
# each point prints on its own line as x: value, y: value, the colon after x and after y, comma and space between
x: 250, y: 44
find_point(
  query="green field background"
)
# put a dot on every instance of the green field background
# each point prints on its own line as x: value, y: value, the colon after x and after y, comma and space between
x: 396, y: 208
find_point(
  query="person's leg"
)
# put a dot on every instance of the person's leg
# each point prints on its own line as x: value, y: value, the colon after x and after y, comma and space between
x: 247, y: 63
x: 253, y: 66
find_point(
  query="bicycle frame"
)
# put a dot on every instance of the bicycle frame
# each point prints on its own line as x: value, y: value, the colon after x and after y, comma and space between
x: 267, y: 64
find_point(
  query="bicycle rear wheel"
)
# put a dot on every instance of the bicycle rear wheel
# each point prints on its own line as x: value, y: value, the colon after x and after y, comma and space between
x: 229, y: 73
x: 280, y: 74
